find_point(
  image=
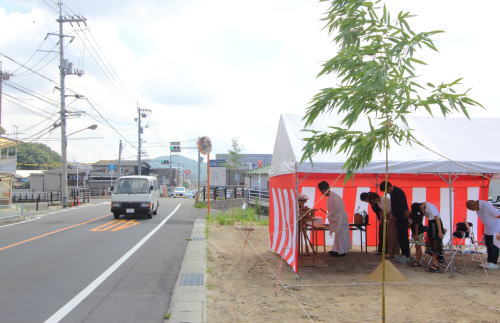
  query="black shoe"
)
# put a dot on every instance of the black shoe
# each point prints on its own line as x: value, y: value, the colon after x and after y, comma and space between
x: 333, y: 253
x: 336, y: 254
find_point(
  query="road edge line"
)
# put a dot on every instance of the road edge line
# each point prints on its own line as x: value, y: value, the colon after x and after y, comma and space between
x: 81, y: 296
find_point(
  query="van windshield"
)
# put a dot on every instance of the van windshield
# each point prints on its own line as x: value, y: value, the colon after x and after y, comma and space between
x: 132, y: 186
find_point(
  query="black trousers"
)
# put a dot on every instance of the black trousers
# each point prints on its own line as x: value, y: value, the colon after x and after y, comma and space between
x: 402, y: 230
x: 491, y: 249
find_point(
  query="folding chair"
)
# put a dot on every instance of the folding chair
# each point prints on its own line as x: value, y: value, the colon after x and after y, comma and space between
x: 455, y: 250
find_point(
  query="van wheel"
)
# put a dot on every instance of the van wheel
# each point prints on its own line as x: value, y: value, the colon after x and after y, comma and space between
x: 116, y: 215
x: 149, y: 215
x: 155, y: 211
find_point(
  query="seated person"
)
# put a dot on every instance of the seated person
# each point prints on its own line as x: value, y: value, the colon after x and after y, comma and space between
x: 304, y: 211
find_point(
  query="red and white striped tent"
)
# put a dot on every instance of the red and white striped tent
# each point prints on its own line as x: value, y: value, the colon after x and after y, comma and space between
x: 459, y: 158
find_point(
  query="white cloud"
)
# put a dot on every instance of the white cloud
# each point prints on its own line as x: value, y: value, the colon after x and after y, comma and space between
x: 225, y: 68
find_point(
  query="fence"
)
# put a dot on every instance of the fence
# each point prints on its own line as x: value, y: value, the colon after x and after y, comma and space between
x: 52, y: 198
x: 224, y: 193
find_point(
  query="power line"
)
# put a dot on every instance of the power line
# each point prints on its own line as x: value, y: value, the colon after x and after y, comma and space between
x: 106, y: 69
x: 22, y: 106
x: 32, y: 55
x: 108, y: 123
x: 35, y: 72
x: 29, y: 92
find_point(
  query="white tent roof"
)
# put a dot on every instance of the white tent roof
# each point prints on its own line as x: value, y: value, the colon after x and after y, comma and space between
x: 470, y: 146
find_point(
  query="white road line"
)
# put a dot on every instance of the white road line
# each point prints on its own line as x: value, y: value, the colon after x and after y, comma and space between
x: 80, y: 297
x: 8, y: 225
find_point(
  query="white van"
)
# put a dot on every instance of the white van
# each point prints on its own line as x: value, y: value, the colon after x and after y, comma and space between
x: 135, y: 195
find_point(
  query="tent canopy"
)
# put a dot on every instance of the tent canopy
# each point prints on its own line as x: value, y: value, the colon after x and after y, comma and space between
x: 453, y: 145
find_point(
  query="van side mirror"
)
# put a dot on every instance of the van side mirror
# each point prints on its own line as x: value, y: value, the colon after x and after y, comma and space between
x: 151, y: 188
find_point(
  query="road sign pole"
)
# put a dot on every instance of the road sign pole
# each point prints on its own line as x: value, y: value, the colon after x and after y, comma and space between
x: 208, y: 185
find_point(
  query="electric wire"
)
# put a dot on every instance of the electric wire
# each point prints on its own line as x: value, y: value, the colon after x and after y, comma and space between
x: 32, y: 93
x: 35, y: 72
x: 9, y: 98
x: 108, y: 123
x: 31, y: 57
x: 39, y: 62
x: 108, y: 74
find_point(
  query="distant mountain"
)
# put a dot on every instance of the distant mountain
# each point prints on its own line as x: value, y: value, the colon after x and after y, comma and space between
x: 180, y: 161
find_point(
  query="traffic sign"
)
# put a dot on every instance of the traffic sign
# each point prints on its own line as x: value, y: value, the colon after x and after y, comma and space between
x: 217, y: 163
x: 111, y: 167
x: 187, y: 172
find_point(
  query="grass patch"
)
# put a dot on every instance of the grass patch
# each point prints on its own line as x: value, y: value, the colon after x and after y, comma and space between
x: 249, y: 216
x: 200, y: 205
x: 166, y: 316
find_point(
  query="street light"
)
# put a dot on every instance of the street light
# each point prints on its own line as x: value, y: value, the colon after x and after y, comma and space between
x: 65, y: 168
x: 92, y: 127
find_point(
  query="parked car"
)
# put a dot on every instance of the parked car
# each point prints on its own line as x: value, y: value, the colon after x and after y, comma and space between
x: 135, y: 195
x: 190, y: 194
x: 180, y: 191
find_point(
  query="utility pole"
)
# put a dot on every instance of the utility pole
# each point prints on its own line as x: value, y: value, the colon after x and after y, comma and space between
x: 141, y: 113
x: 199, y: 168
x: 3, y: 77
x: 120, y: 159
x: 139, y: 141
x: 65, y: 68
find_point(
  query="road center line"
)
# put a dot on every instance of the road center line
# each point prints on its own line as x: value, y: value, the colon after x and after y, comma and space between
x: 52, y: 232
x: 80, y: 297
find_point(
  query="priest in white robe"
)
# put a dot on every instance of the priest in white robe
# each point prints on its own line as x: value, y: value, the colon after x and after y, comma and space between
x: 338, y: 221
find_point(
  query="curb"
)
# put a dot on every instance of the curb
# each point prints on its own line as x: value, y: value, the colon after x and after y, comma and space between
x: 188, y: 302
x: 11, y: 219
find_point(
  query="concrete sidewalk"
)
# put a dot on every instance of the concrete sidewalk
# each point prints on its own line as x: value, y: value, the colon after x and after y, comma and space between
x: 188, y: 302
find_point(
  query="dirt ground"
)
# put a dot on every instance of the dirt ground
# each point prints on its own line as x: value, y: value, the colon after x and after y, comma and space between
x: 243, y: 287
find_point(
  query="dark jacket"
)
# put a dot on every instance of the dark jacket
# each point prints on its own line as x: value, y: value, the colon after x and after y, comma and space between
x: 399, y: 205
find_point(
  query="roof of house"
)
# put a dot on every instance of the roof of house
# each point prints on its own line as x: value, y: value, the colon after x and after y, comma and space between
x: 264, y: 170
x: 123, y: 163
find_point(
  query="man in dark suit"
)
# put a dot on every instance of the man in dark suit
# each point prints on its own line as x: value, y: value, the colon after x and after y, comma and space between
x: 399, y: 209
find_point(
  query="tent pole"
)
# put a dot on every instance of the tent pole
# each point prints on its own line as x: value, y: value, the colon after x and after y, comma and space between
x: 450, y: 192
x: 297, y: 229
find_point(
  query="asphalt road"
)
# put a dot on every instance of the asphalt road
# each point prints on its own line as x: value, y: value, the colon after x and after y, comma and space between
x: 82, y: 265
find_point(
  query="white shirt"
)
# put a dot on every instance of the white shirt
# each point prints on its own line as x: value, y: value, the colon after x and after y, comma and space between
x: 382, y: 203
x: 431, y: 211
x: 488, y: 215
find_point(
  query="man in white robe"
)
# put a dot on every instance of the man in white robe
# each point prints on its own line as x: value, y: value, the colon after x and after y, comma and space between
x: 338, y: 222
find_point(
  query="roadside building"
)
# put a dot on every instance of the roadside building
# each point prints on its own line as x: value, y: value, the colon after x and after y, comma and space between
x: 51, y: 180
x: 8, y: 164
x: 258, y: 178
x: 104, y: 173
x: 222, y: 176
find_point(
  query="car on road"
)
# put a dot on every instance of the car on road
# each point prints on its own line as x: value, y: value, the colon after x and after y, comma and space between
x: 190, y: 194
x: 180, y: 191
x: 135, y: 195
